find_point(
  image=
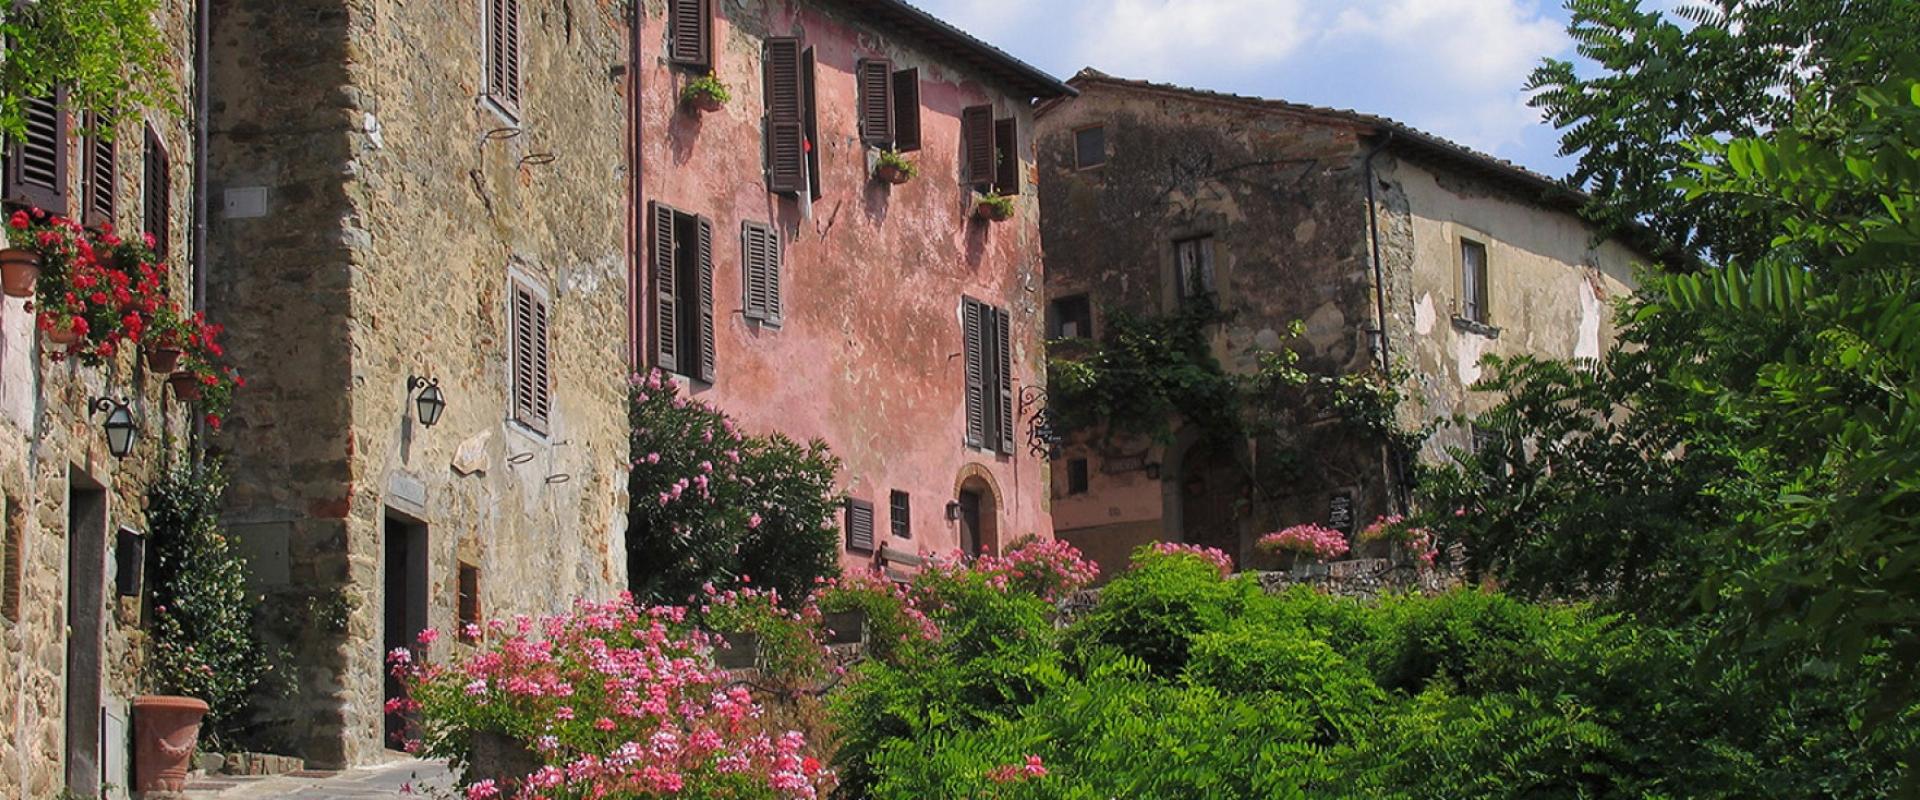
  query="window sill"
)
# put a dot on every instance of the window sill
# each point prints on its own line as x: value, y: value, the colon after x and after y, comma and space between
x: 1480, y: 328
x: 504, y: 110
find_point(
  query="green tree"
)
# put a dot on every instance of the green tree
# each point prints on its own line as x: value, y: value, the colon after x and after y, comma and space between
x: 108, y: 54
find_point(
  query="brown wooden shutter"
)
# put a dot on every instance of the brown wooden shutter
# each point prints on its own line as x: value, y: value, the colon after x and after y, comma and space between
x: 1006, y: 146
x: 976, y: 142
x: 503, y: 52
x: 690, y: 33
x: 973, y: 323
x: 859, y: 525
x: 1003, y: 372
x: 707, y: 343
x: 786, y: 129
x: 525, y: 351
x: 101, y: 178
x: 876, y: 102
x: 157, y: 211
x: 906, y: 110
x: 810, y: 116
x: 36, y: 173
x: 772, y: 275
x: 666, y: 296
x: 760, y: 257
x: 542, y: 364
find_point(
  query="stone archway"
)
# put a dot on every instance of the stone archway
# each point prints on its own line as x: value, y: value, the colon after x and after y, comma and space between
x: 978, y: 521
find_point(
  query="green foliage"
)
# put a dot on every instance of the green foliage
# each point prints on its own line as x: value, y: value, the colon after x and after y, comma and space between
x: 107, y: 53
x: 1155, y: 611
x: 711, y: 505
x: 1146, y: 373
x: 203, y: 619
x: 896, y: 160
x: 706, y: 87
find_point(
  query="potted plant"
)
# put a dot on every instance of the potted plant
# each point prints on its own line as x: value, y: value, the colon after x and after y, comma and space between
x: 894, y: 168
x: 706, y: 93
x: 1311, y: 545
x: 166, y: 729
x: 165, y: 340
x: 993, y: 207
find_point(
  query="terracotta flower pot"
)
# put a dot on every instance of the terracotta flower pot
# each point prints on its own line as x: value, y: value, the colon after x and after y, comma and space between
x: 19, y: 271
x: 63, y: 334
x: 162, y: 359
x: 707, y: 103
x: 186, y: 386
x: 165, y: 730
x: 891, y: 173
x: 993, y: 213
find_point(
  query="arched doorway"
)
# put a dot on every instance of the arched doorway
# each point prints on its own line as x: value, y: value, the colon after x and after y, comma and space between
x: 1212, y: 491
x: 979, y: 517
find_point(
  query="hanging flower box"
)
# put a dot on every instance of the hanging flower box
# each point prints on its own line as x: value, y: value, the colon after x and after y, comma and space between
x: 994, y: 207
x: 706, y: 93
x: 19, y: 271
x: 185, y: 386
x: 893, y: 168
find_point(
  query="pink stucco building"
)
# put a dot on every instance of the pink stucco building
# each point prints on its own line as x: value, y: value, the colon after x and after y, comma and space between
x: 781, y: 280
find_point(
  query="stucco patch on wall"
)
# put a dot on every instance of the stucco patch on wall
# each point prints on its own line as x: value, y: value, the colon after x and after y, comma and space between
x: 1423, y: 315
x: 1468, y: 349
x: 1587, y: 343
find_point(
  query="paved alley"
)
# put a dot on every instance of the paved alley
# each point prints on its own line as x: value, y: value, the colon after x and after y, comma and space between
x: 409, y: 778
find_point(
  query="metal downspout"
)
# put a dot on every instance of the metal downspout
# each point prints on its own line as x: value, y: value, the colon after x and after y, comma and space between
x: 1391, y: 460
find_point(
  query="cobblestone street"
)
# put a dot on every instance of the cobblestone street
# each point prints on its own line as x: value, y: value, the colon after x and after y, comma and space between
x: 409, y: 778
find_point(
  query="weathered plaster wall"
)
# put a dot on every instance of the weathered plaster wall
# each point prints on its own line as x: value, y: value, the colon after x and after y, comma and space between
x: 1553, y: 288
x: 869, y: 357
x: 51, y: 443
x: 399, y: 207
x: 1283, y: 199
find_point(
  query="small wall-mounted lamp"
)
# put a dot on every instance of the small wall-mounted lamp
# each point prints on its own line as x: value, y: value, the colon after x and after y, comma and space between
x: 953, y: 511
x: 1153, y: 472
x: 119, y: 426
x: 430, y: 402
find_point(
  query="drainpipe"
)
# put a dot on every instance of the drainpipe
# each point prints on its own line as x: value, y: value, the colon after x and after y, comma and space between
x: 202, y: 27
x: 1391, y: 460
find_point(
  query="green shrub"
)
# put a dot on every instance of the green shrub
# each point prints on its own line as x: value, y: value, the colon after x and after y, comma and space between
x: 1289, y: 662
x: 1154, y: 611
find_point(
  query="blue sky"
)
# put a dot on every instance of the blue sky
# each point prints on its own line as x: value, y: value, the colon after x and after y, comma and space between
x: 1450, y: 67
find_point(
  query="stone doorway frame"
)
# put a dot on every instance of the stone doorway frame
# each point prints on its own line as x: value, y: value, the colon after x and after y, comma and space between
x: 87, y: 530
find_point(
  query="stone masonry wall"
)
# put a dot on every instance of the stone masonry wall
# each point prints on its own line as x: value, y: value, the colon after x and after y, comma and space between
x: 51, y: 444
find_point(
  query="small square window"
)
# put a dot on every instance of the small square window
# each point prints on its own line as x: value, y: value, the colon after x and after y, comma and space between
x: 1473, y: 281
x: 1070, y: 318
x: 1077, y: 476
x: 1089, y: 147
x: 902, y: 517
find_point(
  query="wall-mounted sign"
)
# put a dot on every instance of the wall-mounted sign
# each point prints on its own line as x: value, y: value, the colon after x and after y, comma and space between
x: 1340, y: 512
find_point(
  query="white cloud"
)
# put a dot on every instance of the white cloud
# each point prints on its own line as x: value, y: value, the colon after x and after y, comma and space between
x: 1481, y: 43
x: 1179, y: 39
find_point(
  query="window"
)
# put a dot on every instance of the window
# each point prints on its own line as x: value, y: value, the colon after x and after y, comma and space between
x: 16, y: 523
x: 683, y: 335
x: 977, y: 146
x: 532, y: 400
x: 1473, y: 282
x: 1006, y: 157
x: 469, y: 604
x: 1070, y: 318
x: 157, y: 189
x: 100, y: 179
x: 859, y: 526
x: 889, y: 105
x: 502, y: 79
x: 809, y: 115
x: 989, y: 377
x: 792, y: 166
x: 760, y: 267
x: 901, y: 515
x: 1089, y: 147
x: 1194, y: 260
x: 36, y: 169
x: 1077, y: 476
x: 690, y: 33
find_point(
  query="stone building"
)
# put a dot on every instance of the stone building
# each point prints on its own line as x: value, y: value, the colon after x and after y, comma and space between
x: 1160, y: 196
x: 73, y: 620
x: 408, y: 192
x: 784, y: 282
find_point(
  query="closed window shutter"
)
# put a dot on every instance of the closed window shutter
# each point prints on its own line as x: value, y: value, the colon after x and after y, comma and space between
x: 158, y: 193
x: 1003, y: 372
x: 810, y: 117
x: 976, y: 137
x: 859, y: 526
x: 1006, y: 146
x: 786, y: 129
x: 974, y: 322
x: 542, y: 366
x: 101, y: 177
x: 772, y: 276
x: 707, y: 344
x: 906, y: 110
x: 876, y: 102
x: 691, y: 34
x: 666, y: 307
x: 760, y: 254
x: 36, y: 173
x: 503, y: 52
x: 523, y: 355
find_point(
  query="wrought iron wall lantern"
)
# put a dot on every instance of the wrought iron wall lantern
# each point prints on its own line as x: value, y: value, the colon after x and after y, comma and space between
x: 953, y: 511
x: 430, y: 402
x: 119, y: 426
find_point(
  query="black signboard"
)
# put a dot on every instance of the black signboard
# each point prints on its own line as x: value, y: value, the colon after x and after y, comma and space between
x: 1340, y: 513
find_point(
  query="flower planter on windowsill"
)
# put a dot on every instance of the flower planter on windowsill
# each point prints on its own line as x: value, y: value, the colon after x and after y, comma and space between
x: 185, y: 385
x: 891, y: 174
x: 706, y: 104
x: 992, y: 212
x: 19, y: 271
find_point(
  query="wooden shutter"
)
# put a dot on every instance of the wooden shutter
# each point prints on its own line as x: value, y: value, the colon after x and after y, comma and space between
x: 760, y: 258
x: 690, y: 33
x: 786, y: 130
x: 876, y: 101
x: 36, y: 173
x: 976, y: 142
x: 101, y: 178
x: 906, y: 110
x: 707, y: 344
x: 666, y: 295
x: 810, y: 117
x: 1006, y: 147
x: 157, y: 191
x: 973, y: 323
x: 503, y: 52
x: 469, y: 629
x: 859, y: 525
x: 532, y: 400
x: 1003, y: 372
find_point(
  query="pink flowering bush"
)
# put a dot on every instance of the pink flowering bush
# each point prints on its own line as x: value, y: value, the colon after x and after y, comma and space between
x: 712, y: 505
x: 611, y: 700
x: 1396, y: 529
x: 896, y: 624
x: 1310, y: 540
x: 793, y: 655
x: 1048, y: 568
x: 1212, y: 555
